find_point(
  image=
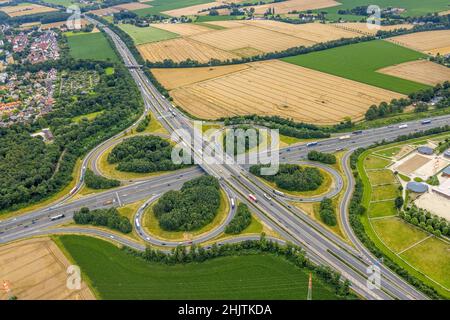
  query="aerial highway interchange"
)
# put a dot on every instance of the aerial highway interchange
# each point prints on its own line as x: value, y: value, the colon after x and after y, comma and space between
x: 322, y: 246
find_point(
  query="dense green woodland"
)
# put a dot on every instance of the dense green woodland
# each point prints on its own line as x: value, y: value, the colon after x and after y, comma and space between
x: 31, y: 170
x: 240, y: 221
x: 94, y: 181
x: 143, y: 154
x: 327, y: 212
x: 292, y: 177
x: 26, y: 164
x: 110, y: 218
x: 194, y: 206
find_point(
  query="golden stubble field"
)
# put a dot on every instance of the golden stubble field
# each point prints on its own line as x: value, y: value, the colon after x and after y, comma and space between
x: 25, y: 10
x: 429, y: 42
x: 422, y: 71
x: 270, y: 88
x: 36, y: 270
x: 280, y: 7
x: 238, y: 39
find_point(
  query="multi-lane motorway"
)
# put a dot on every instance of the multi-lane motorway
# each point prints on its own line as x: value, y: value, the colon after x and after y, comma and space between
x: 321, y: 245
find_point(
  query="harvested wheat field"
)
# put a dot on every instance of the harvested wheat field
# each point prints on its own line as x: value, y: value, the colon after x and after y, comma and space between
x: 273, y: 88
x: 182, y: 49
x: 104, y: 12
x: 25, y: 10
x: 229, y: 24
x: 313, y: 32
x: 178, y: 77
x: 36, y: 270
x: 422, y: 71
x: 364, y: 28
x: 298, y: 5
x: 131, y: 6
x: 250, y: 37
x: 444, y: 13
x: 183, y: 29
x: 430, y: 42
x: 192, y: 10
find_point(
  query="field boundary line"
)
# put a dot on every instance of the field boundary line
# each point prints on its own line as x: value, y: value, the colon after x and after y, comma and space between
x: 415, y: 244
x: 384, y: 217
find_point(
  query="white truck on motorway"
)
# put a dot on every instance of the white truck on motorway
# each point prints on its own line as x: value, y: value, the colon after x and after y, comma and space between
x: 344, y: 137
x: 403, y: 126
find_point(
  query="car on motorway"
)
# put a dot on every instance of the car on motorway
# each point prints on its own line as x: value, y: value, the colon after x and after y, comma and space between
x: 311, y: 144
x: 426, y: 121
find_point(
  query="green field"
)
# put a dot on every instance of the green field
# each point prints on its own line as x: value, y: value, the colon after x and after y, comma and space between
x: 382, y: 209
x: 360, y: 62
x: 147, y: 34
x: 389, y: 152
x: 159, y: 6
x: 377, y: 177
x: 433, y: 258
x: 113, y: 274
x: 375, y: 163
x: 397, y: 234
x: 385, y: 192
x: 413, y: 7
x: 93, y: 46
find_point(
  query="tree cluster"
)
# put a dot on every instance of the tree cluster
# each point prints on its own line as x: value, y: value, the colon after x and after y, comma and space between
x: 240, y: 221
x: 292, y: 177
x: 143, y: 124
x: 426, y: 221
x: 143, y: 154
x: 327, y: 212
x: 323, y: 157
x: 94, y: 181
x: 109, y: 218
x: 233, y: 137
x: 194, y: 206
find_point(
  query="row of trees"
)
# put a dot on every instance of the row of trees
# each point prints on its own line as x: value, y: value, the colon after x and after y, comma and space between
x: 94, y: 181
x: 427, y: 221
x: 286, y: 127
x: 143, y: 154
x: 290, y: 252
x: 327, y: 212
x: 323, y: 157
x: 240, y: 221
x: 189, y: 63
x: 292, y: 177
x: 194, y: 206
x: 109, y: 218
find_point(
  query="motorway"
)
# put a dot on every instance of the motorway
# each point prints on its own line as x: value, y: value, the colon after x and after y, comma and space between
x: 321, y: 245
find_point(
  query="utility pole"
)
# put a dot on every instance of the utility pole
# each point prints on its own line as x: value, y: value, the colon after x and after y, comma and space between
x: 309, y: 288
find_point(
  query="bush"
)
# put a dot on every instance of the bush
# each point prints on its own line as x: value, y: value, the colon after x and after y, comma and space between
x: 143, y: 154
x: 327, y: 158
x: 94, y: 181
x: 240, y: 221
x: 103, y: 217
x: 292, y: 177
x: 143, y: 124
x: 194, y: 206
x: 327, y: 212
